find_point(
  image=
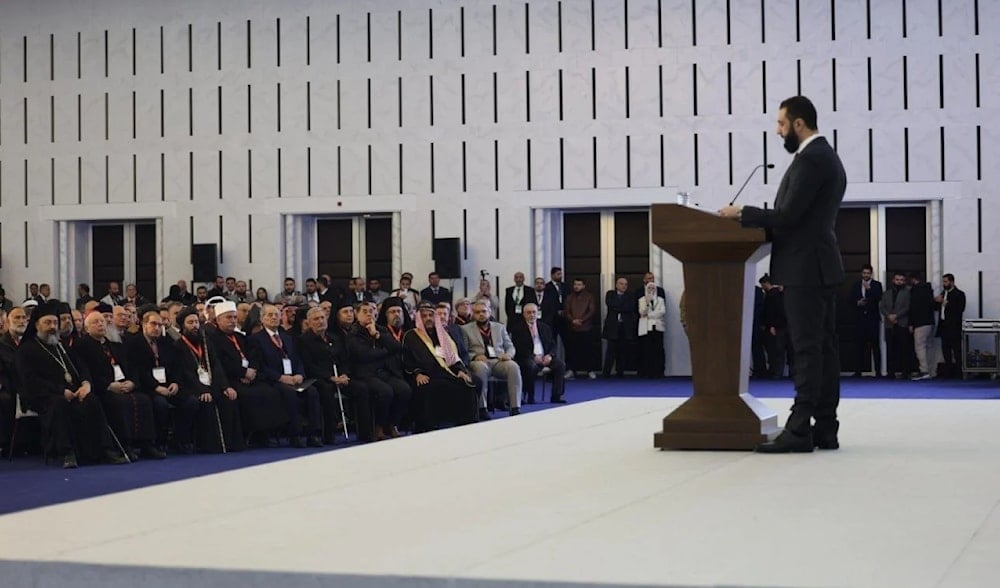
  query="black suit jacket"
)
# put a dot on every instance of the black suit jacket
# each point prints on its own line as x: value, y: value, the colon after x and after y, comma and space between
x: 373, y: 358
x: 527, y: 297
x: 524, y: 345
x: 229, y: 358
x: 271, y: 367
x: 867, y: 313
x: 952, y: 321
x: 804, y: 249
x: 551, y: 304
x: 628, y: 307
x: 88, y: 350
x: 443, y: 295
x: 142, y: 361
x: 319, y: 356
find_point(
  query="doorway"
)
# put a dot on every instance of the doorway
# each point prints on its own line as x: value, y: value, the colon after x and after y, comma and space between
x: 124, y: 253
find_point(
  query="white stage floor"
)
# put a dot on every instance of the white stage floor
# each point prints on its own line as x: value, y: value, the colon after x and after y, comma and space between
x: 574, y: 495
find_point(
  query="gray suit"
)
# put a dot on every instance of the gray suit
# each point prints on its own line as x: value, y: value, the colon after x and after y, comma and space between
x: 501, y: 369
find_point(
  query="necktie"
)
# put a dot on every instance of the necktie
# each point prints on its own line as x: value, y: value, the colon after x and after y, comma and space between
x: 534, y: 330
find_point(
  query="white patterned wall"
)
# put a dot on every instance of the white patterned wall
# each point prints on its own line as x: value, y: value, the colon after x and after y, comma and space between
x: 635, y: 75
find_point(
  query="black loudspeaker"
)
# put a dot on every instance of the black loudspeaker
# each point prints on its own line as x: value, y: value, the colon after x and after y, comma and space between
x: 447, y: 258
x: 204, y: 259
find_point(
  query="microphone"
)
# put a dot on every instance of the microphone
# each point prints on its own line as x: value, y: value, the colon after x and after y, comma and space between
x: 747, y: 181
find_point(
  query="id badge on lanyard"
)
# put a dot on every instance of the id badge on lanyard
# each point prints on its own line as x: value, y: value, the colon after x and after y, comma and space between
x: 204, y: 377
x: 286, y: 366
x: 160, y: 374
x: 119, y: 374
x: 491, y: 352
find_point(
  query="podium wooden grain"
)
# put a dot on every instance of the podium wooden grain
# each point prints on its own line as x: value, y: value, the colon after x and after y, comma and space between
x: 719, y: 258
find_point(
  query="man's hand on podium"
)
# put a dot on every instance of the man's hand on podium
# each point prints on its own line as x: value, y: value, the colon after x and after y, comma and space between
x: 730, y: 211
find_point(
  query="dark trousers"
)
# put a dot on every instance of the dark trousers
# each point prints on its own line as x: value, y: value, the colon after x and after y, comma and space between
x: 355, y: 392
x: 869, y: 351
x: 616, y: 352
x: 185, y: 411
x: 812, y: 328
x: 951, y: 349
x: 582, y: 351
x: 529, y: 372
x: 78, y: 426
x: 131, y: 417
x: 777, y: 348
x: 7, y: 407
x: 758, y: 352
x: 899, y: 349
x: 446, y: 400
x: 652, y: 362
x: 218, y: 425
x: 391, y: 396
x: 303, y: 408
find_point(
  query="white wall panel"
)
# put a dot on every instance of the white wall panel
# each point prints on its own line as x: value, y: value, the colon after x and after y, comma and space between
x: 606, y: 53
x: 543, y: 27
x: 642, y: 24
x: 576, y: 27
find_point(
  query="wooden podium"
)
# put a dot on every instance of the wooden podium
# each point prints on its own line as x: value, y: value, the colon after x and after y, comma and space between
x: 719, y: 276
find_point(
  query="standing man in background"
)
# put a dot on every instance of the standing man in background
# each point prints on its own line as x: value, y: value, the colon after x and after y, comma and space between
x: 951, y: 304
x: 867, y: 294
x: 805, y: 259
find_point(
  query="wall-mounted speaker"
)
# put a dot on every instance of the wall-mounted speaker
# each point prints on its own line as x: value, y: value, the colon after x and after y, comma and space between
x: 204, y: 259
x: 447, y: 257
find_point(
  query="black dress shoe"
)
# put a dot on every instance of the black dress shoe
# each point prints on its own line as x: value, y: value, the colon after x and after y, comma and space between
x: 69, y: 462
x: 153, y: 452
x: 530, y: 400
x: 297, y: 442
x: 315, y: 441
x: 114, y: 458
x: 484, y: 415
x: 557, y: 400
x: 788, y: 442
x: 824, y: 434
x: 515, y: 411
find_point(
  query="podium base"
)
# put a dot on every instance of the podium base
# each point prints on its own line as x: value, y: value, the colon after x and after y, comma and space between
x: 722, y: 422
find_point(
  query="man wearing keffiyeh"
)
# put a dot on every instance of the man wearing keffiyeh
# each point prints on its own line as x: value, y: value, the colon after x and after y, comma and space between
x: 443, y: 384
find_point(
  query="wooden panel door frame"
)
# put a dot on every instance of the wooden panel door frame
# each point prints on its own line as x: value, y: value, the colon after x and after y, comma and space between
x: 128, y: 256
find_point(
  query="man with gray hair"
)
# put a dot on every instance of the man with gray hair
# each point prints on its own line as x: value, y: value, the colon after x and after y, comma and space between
x: 492, y: 353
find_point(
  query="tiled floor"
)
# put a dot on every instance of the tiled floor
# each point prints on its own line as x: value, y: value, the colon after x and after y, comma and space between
x: 574, y: 495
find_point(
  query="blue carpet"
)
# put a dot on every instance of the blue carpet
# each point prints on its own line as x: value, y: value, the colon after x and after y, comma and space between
x: 28, y: 483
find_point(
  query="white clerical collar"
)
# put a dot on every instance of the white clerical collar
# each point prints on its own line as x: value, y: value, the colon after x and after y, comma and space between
x: 803, y: 144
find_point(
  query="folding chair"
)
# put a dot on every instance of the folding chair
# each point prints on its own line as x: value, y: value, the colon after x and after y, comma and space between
x: 20, y: 414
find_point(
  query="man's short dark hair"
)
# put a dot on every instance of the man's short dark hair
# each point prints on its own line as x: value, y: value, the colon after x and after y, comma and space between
x: 900, y: 274
x: 800, y: 107
x: 310, y: 280
x: 289, y: 279
x: 322, y: 281
x: 432, y: 275
x: 868, y: 267
x: 916, y: 276
x: 555, y: 269
x: 949, y: 277
x: 765, y: 279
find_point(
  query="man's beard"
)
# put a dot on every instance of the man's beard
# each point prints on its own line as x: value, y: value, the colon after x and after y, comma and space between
x: 52, y: 339
x: 19, y: 331
x: 113, y: 335
x: 792, y: 142
x: 193, y: 337
x: 396, y: 322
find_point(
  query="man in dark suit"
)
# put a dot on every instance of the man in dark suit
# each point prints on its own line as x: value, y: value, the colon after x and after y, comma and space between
x: 621, y: 327
x: 866, y: 295
x: 378, y: 363
x: 951, y: 305
x: 534, y: 351
x: 321, y: 356
x: 435, y: 292
x: 281, y: 366
x: 516, y: 298
x: 554, y: 301
x: 805, y: 259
